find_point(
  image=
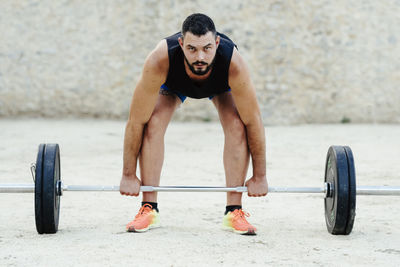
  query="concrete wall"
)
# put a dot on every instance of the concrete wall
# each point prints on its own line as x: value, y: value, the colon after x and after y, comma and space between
x: 311, y: 61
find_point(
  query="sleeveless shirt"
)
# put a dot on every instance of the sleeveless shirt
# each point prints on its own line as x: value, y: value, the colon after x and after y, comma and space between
x: 217, y: 83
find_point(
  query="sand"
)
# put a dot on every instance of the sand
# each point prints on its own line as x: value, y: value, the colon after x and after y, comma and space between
x: 291, y: 227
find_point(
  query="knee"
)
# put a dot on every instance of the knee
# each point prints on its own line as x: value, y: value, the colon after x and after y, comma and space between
x: 154, y: 128
x: 236, y: 131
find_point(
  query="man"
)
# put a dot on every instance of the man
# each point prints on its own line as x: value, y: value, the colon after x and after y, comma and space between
x: 197, y: 63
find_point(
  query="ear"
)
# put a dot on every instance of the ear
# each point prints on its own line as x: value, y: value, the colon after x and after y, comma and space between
x: 180, y: 40
x: 217, y: 41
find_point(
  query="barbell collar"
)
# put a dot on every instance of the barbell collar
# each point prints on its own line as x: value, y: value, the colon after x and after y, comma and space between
x: 33, y: 171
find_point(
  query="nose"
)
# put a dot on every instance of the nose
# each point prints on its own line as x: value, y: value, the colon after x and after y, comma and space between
x: 200, y: 56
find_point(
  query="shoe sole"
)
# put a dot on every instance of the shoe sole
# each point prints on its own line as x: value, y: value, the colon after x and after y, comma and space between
x: 248, y: 232
x: 151, y: 226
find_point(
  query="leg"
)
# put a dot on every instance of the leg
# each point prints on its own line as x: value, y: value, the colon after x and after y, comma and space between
x: 151, y: 156
x: 236, y: 151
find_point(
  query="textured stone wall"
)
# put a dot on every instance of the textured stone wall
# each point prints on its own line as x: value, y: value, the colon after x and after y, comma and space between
x: 311, y: 61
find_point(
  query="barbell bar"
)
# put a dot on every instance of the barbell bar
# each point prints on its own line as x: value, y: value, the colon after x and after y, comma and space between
x: 339, y: 189
x: 361, y: 190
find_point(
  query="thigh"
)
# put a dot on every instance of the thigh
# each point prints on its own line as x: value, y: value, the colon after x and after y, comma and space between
x: 226, y: 108
x: 164, y: 110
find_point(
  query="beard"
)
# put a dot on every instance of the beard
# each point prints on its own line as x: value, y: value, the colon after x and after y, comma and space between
x: 199, y: 72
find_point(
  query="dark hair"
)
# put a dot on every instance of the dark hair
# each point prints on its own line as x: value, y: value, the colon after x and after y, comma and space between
x: 198, y: 24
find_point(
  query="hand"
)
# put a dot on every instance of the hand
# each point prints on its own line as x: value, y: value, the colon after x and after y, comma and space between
x: 257, y: 186
x: 130, y: 185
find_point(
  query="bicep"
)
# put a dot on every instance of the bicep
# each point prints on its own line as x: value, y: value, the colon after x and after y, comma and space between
x: 147, y: 89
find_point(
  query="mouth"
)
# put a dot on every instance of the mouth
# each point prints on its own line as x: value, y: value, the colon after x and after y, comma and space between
x: 199, y: 63
x: 199, y: 67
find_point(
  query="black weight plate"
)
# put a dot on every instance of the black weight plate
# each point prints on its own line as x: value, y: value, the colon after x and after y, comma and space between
x: 50, y: 198
x: 38, y: 189
x: 336, y: 207
x: 352, y: 190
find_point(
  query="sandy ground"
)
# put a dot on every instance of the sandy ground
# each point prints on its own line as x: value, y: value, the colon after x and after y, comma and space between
x: 291, y: 227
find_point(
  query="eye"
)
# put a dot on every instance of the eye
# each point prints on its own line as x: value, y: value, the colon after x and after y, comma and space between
x: 191, y: 49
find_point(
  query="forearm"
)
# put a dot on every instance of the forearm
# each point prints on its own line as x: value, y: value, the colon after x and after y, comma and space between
x: 132, y: 144
x: 256, y: 141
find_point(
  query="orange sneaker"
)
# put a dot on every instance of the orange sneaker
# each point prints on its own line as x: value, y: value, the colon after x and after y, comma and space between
x: 146, y: 219
x: 236, y: 222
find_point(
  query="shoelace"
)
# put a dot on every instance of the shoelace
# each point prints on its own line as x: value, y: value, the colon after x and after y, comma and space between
x: 146, y: 208
x: 240, y: 214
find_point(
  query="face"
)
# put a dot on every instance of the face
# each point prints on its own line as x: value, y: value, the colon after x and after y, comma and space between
x: 199, y: 51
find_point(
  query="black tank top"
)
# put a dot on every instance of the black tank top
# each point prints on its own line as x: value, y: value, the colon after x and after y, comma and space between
x: 178, y: 81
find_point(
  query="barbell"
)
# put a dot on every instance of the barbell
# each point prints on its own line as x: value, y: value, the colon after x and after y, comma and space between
x: 339, y: 189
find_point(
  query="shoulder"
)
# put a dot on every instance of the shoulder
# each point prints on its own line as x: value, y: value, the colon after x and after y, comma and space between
x: 237, y: 65
x: 157, y: 60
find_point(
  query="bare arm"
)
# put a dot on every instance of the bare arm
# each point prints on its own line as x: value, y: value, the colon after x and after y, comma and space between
x: 244, y: 95
x: 144, y: 99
